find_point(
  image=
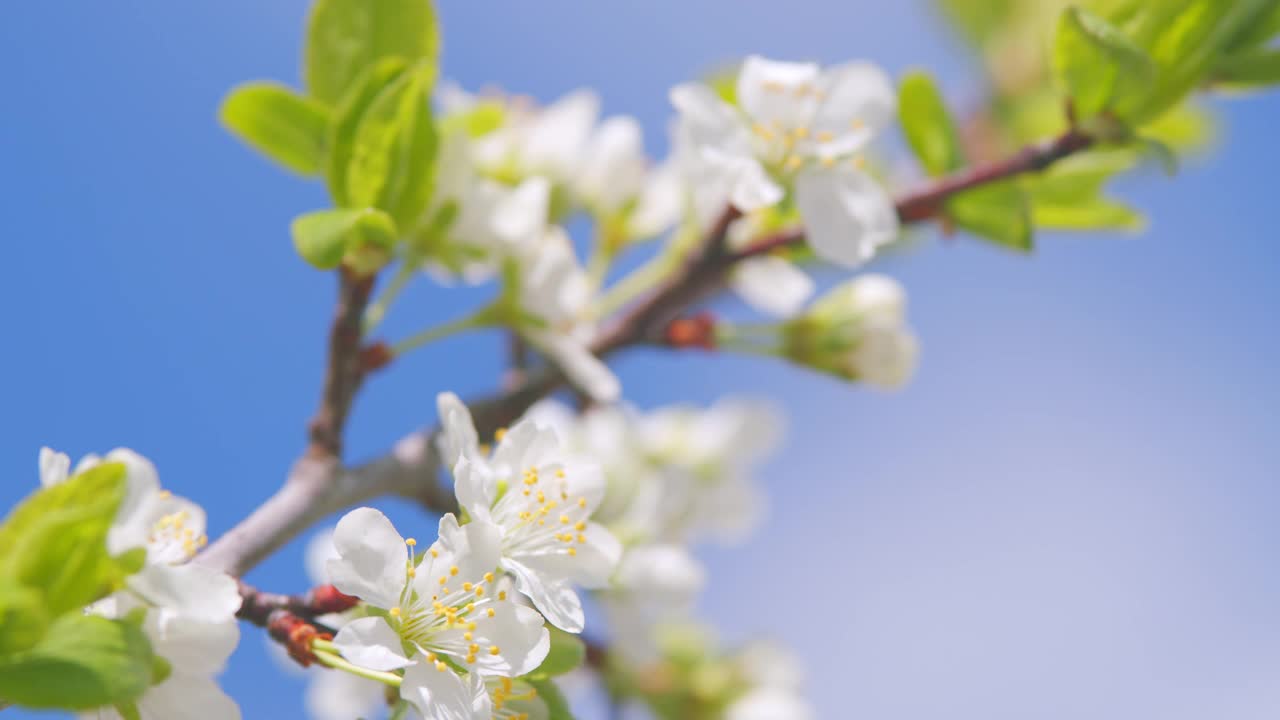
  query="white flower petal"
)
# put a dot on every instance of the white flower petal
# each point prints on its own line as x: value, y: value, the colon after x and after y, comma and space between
x: 555, y: 141
x: 613, y: 167
x: 516, y: 630
x: 371, y: 643
x: 778, y: 92
x: 442, y: 695
x: 846, y: 214
x: 187, y: 697
x: 585, y: 371
x: 186, y: 592
x: 707, y: 119
x: 660, y: 202
x: 142, y: 485
x: 858, y: 100
x: 54, y: 466
x: 342, y: 696
x: 372, y: 558
x: 769, y: 704
x: 772, y: 285
x: 749, y: 186
x: 555, y: 599
x: 457, y: 436
x: 475, y: 486
x: 319, y: 552
x: 521, y: 215
x: 192, y: 646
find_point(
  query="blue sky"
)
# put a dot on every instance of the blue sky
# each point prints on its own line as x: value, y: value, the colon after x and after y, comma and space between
x: 1070, y: 513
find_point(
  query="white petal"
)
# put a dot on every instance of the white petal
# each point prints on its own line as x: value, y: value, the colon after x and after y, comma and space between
x: 187, y: 592
x: 778, y: 92
x: 858, y: 100
x: 555, y: 142
x: 613, y: 168
x: 142, y: 485
x: 886, y: 356
x: 585, y: 371
x: 54, y: 466
x: 846, y: 214
x: 516, y: 630
x: 342, y: 696
x: 457, y: 430
x: 319, y: 552
x: 521, y: 215
x: 187, y: 697
x: 665, y: 575
x: 475, y: 486
x: 442, y: 695
x: 750, y: 187
x: 372, y: 557
x: 597, y: 558
x: 769, y: 704
x: 191, y: 646
x: 371, y: 643
x: 772, y: 285
x: 708, y: 120
x: 555, y: 599
x: 660, y: 202
x: 476, y: 546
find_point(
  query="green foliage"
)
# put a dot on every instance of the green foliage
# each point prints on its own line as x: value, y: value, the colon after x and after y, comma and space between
x: 927, y: 124
x: 394, y: 150
x: 1000, y: 213
x: 344, y: 37
x: 567, y: 653
x: 362, y: 238
x: 1099, y: 66
x: 1069, y: 196
x: 23, y: 617
x: 346, y: 121
x: 82, y: 662
x: 279, y: 123
x: 1250, y: 69
x: 550, y: 695
x: 54, y: 542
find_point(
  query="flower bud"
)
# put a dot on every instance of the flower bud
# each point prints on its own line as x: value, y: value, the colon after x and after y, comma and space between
x: 856, y: 331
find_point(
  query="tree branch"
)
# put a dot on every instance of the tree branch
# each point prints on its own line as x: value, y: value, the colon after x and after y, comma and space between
x: 345, y: 369
x: 318, y: 486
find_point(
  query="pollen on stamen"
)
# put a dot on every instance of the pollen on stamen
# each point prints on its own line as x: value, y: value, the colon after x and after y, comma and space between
x: 501, y: 596
x: 573, y: 551
x: 494, y: 650
x: 440, y: 666
x: 410, y: 542
x: 488, y: 612
x: 499, y: 434
x: 582, y: 502
x: 564, y: 519
x: 394, y: 612
x: 453, y: 570
x: 488, y: 577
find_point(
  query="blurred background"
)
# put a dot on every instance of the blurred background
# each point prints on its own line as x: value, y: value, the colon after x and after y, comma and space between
x: 1069, y: 513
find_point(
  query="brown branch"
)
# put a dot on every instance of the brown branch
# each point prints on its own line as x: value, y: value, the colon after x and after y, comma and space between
x: 345, y: 369
x: 319, y: 486
x: 930, y: 202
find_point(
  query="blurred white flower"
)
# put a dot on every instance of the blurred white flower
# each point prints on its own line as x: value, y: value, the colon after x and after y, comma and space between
x: 798, y: 126
x: 857, y: 331
x: 170, y: 529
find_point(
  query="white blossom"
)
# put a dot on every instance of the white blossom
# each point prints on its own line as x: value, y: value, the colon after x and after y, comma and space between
x: 858, y: 330
x: 170, y: 529
x: 655, y: 583
x: 445, y: 605
x: 540, y: 500
x: 615, y: 182
x: 801, y: 127
x: 195, y: 652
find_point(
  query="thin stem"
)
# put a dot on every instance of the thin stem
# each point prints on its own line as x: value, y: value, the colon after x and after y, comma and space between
x: 377, y: 310
x: 325, y: 645
x: 470, y: 322
x: 598, y: 264
x: 331, y: 660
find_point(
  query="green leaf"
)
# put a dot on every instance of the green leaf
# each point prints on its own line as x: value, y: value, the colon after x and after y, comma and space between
x: 1093, y: 214
x: 346, y: 121
x: 23, y: 617
x: 1250, y: 69
x: 1161, y: 153
x: 567, y: 653
x: 344, y: 37
x: 82, y: 662
x: 279, y: 123
x: 1097, y: 64
x: 55, y: 541
x: 549, y: 693
x: 393, y: 158
x: 1000, y: 213
x: 928, y: 125
x: 325, y: 237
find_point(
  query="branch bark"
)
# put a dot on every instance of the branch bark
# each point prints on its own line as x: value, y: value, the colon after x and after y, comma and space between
x: 318, y: 485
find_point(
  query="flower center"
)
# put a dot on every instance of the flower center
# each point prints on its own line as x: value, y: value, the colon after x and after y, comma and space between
x: 173, y: 540
x: 541, y: 517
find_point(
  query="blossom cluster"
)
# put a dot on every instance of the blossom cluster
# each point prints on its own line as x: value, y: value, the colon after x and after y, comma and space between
x: 190, y: 610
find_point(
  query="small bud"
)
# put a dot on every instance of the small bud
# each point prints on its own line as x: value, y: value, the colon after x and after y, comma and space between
x: 856, y: 331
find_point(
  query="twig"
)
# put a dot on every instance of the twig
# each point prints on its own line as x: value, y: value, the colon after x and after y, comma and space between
x: 344, y: 371
x: 319, y: 486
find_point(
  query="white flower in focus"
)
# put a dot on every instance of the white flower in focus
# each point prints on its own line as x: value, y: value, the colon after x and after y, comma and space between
x: 541, y: 500
x: 171, y: 529
x: 196, y: 652
x: 799, y: 126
